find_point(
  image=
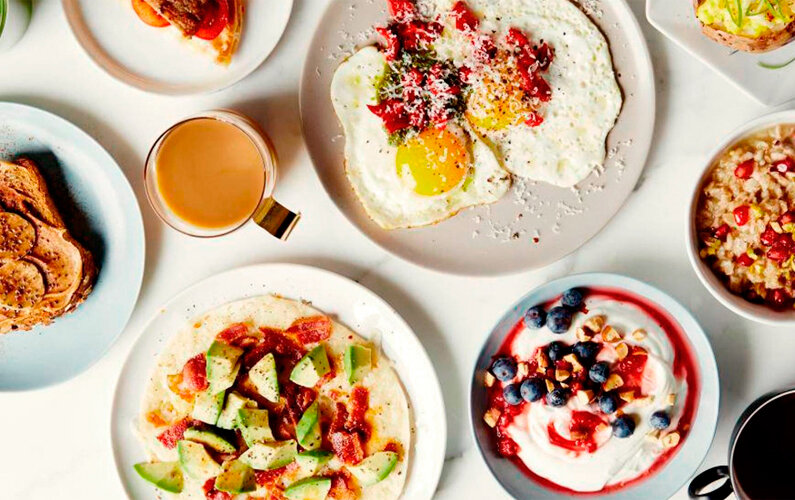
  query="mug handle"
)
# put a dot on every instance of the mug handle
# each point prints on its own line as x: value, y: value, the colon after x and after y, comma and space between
x: 275, y: 218
x: 709, y: 476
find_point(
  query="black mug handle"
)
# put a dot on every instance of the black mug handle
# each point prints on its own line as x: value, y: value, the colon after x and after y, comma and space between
x: 709, y: 476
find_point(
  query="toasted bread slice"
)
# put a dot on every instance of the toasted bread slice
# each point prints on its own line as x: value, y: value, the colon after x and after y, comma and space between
x: 771, y: 36
x: 44, y: 271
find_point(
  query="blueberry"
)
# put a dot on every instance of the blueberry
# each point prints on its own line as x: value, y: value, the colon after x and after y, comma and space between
x: 660, y: 420
x: 559, y: 319
x: 572, y: 298
x: 504, y: 369
x: 623, y: 426
x: 557, y: 397
x: 586, y: 351
x: 608, y: 403
x: 599, y: 372
x: 535, y: 317
x: 532, y: 389
x: 512, y: 394
x: 556, y: 351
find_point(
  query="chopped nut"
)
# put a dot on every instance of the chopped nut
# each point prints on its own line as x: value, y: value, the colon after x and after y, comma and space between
x: 561, y: 375
x: 622, y: 350
x: 489, y: 379
x: 575, y: 363
x: 550, y: 385
x: 601, y: 427
x: 671, y: 399
x: 595, y: 323
x: 491, y: 417
x: 639, y: 334
x: 585, y: 396
x: 564, y: 385
x: 628, y: 396
x: 654, y: 435
x: 614, y: 381
x: 583, y: 335
x: 523, y: 369
x: 671, y: 439
x: 542, y: 360
x: 644, y: 401
x: 610, y: 334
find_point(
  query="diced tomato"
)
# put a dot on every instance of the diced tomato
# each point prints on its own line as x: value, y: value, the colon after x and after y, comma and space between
x: 721, y: 232
x: 402, y: 10
x: 391, y: 42
x: 359, y: 402
x: 417, y: 35
x: 544, y: 56
x: 311, y: 329
x: 214, y: 22
x: 745, y: 169
x: 538, y: 88
x: 534, y: 119
x: 745, y: 260
x: 194, y: 374
x: 742, y: 215
x: 464, y: 74
x: 173, y: 434
x: 485, y: 49
x: 347, y: 446
x: 465, y: 19
x: 418, y: 116
x: 392, y: 113
x: 210, y: 493
x: 516, y: 39
x: 784, y: 166
x: 149, y: 15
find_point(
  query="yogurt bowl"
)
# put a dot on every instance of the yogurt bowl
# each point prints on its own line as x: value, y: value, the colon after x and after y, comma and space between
x: 610, y: 391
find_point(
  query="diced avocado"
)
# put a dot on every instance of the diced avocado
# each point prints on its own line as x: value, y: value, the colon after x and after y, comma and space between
x: 267, y: 456
x: 310, y: 488
x: 254, y: 426
x: 222, y: 366
x: 207, y: 407
x: 236, y: 477
x: 358, y: 360
x: 211, y: 439
x: 374, y: 468
x: 234, y: 402
x: 195, y: 461
x: 307, y: 431
x: 311, y: 461
x: 165, y: 475
x: 265, y: 378
x: 311, y: 367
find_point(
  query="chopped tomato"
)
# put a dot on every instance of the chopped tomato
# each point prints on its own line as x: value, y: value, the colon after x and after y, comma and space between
x: 465, y: 19
x: 516, y: 39
x: 391, y: 42
x: 393, y: 114
x: 534, y: 119
x: 149, y: 15
x: 176, y: 432
x: 544, y: 55
x: 417, y: 35
x: 402, y: 10
x: 214, y: 22
x: 347, y: 446
x: 311, y: 329
x: 210, y: 493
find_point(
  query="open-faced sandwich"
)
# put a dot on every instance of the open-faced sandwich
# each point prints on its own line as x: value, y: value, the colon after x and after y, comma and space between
x: 44, y: 271
x: 268, y: 398
x: 747, y: 25
x: 213, y: 25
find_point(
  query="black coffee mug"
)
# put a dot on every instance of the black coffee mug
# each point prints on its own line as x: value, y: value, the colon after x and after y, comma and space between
x: 762, y: 430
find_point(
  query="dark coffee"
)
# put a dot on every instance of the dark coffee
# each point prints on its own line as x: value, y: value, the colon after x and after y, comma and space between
x: 764, y: 456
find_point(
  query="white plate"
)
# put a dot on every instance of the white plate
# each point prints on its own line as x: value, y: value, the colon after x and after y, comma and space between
x: 496, y: 239
x: 157, y: 60
x: 347, y: 301
x: 676, y: 19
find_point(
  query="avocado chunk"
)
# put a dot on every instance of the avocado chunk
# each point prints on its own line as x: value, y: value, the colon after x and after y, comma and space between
x: 374, y: 468
x: 358, y: 360
x: 211, y: 439
x: 265, y: 378
x: 195, y: 461
x: 254, y: 426
x: 311, y: 368
x: 207, y: 407
x: 236, y: 477
x: 267, y: 456
x: 311, y: 461
x: 310, y: 488
x: 222, y: 366
x: 165, y: 475
x: 307, y: 431
x: 234, y: 402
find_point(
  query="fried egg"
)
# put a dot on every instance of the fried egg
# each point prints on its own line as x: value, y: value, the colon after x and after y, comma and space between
x: 586, y: 99
x: 427, y: 178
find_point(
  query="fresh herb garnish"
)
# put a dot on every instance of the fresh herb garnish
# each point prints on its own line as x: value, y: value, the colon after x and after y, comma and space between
x: 776, y: 66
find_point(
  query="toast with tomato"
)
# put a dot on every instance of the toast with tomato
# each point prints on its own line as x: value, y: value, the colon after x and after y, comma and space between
x: 214, y: 23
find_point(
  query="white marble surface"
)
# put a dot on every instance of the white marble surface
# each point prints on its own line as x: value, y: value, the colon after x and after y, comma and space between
x: 54, y: 443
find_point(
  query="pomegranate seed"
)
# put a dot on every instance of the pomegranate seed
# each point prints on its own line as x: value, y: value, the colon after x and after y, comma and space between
x: 721, y: 232
x: 745, y: 260
x: 778, y: 297
x: 787, y: 218
x: 768, y: 236
x: 745, y: 169
x: 784, y: 166
x: 741, y: 215
x: 779, y: 252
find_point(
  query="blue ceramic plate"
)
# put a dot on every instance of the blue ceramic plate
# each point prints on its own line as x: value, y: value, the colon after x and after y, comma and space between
x: 693, y: 450
x: 101, y: 211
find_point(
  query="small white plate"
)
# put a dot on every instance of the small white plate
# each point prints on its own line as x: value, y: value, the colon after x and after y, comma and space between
x: 676, y: 19
x: 157, y: 59
x: 347, y: 301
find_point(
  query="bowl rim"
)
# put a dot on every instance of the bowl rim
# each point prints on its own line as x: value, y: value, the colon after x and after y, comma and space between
x: 754, y: 312
x: 705, y: 420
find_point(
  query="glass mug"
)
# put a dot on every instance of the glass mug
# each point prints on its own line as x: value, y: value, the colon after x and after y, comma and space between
x: 267, y: 213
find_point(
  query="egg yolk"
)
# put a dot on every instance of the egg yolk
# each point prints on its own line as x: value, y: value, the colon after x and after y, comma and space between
x: 497, y: 101
x: 436, y: 159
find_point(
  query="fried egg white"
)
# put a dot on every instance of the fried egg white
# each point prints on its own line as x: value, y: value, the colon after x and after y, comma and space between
x: 430, y: 177
x: 586, y: 99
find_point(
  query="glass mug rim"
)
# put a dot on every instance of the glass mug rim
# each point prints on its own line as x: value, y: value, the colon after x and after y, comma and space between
x: 261, y: 142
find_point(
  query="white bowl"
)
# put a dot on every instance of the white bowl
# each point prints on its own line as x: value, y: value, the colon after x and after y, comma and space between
x: 756, y: 312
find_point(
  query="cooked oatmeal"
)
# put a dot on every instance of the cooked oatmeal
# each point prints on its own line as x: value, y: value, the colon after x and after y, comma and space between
x: 746, y: 217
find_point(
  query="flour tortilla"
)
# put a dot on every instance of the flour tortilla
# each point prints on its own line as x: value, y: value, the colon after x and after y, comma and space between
x: 388, y: 413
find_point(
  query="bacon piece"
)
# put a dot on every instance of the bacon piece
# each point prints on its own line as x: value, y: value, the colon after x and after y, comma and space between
x: 347, y: 446
x: 276, y: 342
x: 391, y: 42
x: 340, y: 418
x: 232, y: 333
x: 269, y: 477
x: 342, y: 486
x: 311, y: 329
x: 176, y: 432
x: 360, y: 402
x: 210, y: 493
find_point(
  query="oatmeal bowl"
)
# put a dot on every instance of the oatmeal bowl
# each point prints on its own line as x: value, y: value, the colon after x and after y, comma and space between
x: 741, y: 222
